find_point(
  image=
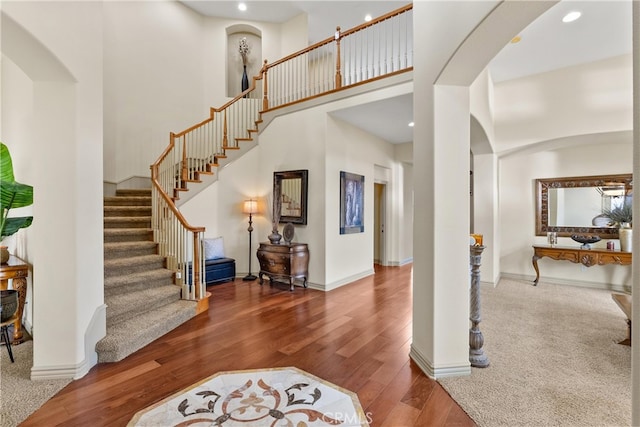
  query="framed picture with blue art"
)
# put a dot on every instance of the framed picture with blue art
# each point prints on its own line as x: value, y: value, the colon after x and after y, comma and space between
x: 351, y: 203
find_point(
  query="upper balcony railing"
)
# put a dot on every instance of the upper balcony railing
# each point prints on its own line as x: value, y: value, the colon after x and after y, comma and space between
x: 380, y: 48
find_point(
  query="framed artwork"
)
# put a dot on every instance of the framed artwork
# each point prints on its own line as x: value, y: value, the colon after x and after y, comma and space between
x: 351, y: 203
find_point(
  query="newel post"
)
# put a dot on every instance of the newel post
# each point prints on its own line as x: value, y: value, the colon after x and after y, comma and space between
x: 225, y: 140
x: 476, y: 354
x: 195, y: 273
x: 265, y: 99
x: 184, y: 174
x: 338, y: 72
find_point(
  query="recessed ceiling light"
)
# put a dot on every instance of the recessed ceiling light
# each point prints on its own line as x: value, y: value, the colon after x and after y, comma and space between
x: 516, y: 39
x: 411, y: 124
x: 571, y: 16
x: 242, y: 6
x: 367, y: 18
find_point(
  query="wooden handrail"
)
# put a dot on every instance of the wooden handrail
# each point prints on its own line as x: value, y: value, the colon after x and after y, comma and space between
x: 324, y: 42
x: 251, y: 88
x: 217, y: 110
x: 378, y: 20
x: 171, y: 204
x: 331, y: 39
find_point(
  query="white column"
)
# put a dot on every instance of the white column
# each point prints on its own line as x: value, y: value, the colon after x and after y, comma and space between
x: 486, y: 213
x: 443, y: 198
x: 635, y: 268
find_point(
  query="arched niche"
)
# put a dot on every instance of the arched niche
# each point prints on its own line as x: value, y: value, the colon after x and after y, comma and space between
x: 234, y: 68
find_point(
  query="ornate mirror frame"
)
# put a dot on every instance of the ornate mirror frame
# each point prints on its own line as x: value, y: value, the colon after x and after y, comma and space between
x: 542, y: 203
x: 295, y: 190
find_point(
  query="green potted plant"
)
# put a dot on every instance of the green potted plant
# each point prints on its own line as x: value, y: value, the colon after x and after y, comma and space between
x: 622, y: 217
x: 12, y: 195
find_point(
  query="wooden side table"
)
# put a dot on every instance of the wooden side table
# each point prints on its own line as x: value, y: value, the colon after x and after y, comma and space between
x: 17, y: 270
x: 288, y: 261
x: 586, y: 257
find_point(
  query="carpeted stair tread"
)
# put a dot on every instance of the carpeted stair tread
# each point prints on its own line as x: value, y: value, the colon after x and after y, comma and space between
x: 143, y: 303
x: 127, y: 211
x: 137, y: 281
x: 129, y: 249
x: 127, y: 337
x: 127, y: 201
x: 125, y: 306
x: 133, y: 192
x: 124, y: 266
x: 127, y: 222
x: 112, y: 235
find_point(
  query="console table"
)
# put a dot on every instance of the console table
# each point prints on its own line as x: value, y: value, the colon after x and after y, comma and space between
x: 17, y: 270
x: 586, y: 257
x: 288, y: 261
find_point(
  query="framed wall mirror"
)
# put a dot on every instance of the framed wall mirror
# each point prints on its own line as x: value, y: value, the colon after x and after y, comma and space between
x: 292, y: 187
x: 576, y: 205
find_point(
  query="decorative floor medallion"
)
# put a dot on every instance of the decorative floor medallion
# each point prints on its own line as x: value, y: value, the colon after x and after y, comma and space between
x: 276, y: 397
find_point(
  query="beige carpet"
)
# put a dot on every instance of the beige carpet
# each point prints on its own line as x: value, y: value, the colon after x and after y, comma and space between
x: 554, y: 359
x: 19, y: 396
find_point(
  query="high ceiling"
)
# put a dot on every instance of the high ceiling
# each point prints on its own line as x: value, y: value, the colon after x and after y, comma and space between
x: 324, y: 16
x: 604, y: 30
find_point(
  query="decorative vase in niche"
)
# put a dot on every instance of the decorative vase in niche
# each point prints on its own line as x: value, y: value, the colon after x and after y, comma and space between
x: 245, y: 79
x: 4, y: 254
x: 625, y: 234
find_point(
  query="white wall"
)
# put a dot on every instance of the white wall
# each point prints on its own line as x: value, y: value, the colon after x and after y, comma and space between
x: 215, y: 53
x: 517, y: 208
x: 154, y: 78
x: 61, y: 134
x: 295, y: 35
x: 406, y: 223
x: 482, y: 99
x: 404, y: 155
x: 577, y: 100
x: 485, y: 176
x: 349, y: 149
x: 18, y: 136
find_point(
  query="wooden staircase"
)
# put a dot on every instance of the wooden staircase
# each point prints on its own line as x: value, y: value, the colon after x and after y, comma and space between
x: 194, y: 179
x: 142, y: 301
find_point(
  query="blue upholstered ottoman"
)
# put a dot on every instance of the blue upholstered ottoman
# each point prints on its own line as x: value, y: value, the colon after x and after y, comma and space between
x: 217, y: 267
x: 219, y: 270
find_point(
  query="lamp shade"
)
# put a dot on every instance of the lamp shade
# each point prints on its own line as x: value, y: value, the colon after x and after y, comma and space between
x: 250, y: 206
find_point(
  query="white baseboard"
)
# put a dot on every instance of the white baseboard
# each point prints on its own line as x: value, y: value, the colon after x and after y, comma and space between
x: 96, y: 330
x: 401, y: 263
x: 427, y: 367
x: 344, y: 281
x: 567, y: 282
x: 55, y: 372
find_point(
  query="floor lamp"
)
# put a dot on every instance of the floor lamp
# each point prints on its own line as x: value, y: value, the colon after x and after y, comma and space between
x: 250, y: 207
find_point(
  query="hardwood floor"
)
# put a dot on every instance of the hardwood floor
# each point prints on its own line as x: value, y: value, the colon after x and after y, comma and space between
x: 357, y: 337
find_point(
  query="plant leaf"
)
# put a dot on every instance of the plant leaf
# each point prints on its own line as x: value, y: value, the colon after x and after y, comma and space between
x: 12, y: 195
x: 12, y: 225
x: 15, y: 195
x: 6, y: 165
